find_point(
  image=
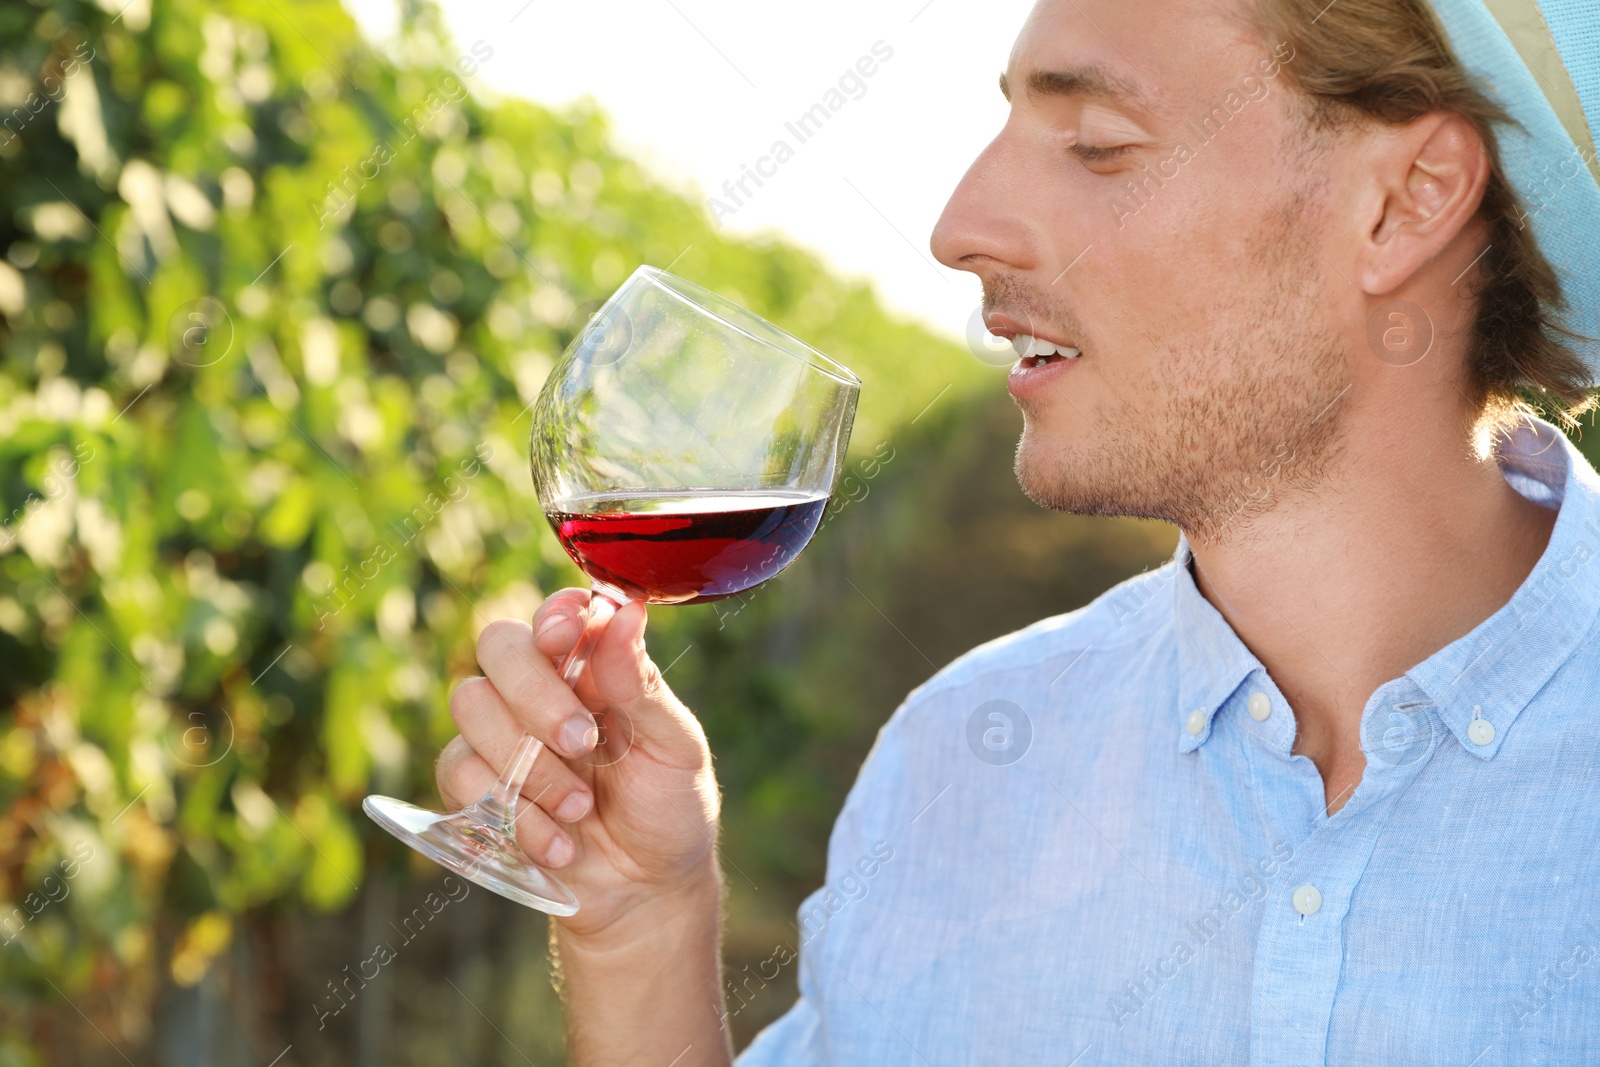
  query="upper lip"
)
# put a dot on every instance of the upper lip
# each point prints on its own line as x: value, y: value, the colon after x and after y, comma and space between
x: 1003, y: 325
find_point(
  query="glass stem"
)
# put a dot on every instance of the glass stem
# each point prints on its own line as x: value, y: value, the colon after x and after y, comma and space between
x: 498, y: 807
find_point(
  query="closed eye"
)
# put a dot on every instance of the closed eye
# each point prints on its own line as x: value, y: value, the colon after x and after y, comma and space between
x: 1096, y: 154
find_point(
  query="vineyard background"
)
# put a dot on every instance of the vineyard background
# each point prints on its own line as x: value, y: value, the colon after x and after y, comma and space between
x: 273, y: 304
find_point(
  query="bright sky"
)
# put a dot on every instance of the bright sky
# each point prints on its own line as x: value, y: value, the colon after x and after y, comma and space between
x: 699, y: 89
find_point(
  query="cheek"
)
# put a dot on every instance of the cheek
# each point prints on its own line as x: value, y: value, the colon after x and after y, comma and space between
x: 1185, y: 266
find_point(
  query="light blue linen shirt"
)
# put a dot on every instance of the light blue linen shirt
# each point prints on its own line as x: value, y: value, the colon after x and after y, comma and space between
x: 1087, y: 842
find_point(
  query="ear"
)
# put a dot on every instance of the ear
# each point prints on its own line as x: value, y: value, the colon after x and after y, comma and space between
x: 1431, y: 174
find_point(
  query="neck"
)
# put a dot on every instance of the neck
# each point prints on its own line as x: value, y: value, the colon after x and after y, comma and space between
x: 1409, y: 542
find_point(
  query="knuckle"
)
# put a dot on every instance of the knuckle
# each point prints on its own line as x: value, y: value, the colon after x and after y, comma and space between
x: 465, y: 696
x: 535, y: 837
x: 560, y: 600
x: 454, y: 755
x: 525, y: 696
x: 651, y: 683
x: 447, y: 769
x: 499, y: 633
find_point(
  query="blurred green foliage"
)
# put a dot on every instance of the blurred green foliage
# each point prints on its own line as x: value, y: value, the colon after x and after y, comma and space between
x: 274, y: 305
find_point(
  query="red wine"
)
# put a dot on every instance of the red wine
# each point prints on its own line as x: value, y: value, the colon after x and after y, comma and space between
x: 686, y: 546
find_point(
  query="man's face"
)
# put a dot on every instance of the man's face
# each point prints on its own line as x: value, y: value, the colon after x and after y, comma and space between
x: 1153, y: 201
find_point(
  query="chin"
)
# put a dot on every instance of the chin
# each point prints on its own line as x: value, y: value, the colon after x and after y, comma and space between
x: 1072, y: 474
x: 1052, y: 472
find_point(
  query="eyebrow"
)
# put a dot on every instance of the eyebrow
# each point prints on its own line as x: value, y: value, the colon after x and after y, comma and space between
x: 1078, y: 81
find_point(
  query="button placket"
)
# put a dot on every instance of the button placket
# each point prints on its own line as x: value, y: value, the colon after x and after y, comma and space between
x: 1300, y: 947
x: 1307, y: 900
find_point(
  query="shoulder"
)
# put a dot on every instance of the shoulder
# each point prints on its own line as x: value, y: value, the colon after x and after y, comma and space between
x: 1071, y: 653
x: 1051, y: 675
x: 979, y: 746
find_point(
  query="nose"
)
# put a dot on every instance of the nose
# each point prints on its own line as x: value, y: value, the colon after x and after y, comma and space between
x: 986, y: 227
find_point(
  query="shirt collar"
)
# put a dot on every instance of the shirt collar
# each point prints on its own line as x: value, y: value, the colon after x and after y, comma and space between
x: 1493, y: 672
x: 1490, y: 673
x: 1212, y: 661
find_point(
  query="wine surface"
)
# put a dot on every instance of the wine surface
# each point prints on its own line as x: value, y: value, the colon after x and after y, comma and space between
x: 686, y: 546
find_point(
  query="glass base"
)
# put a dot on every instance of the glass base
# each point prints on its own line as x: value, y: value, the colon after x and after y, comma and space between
x: 476, y: 851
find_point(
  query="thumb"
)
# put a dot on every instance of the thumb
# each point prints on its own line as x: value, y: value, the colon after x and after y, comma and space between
x: 631, y: 687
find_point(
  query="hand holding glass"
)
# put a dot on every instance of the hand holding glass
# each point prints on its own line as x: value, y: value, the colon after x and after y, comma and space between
x: 683, y: 450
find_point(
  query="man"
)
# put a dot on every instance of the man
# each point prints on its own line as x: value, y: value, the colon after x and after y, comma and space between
x: 1323, y: 788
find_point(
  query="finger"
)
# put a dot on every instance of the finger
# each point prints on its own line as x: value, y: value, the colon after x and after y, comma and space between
x: 490, y: 729
x: 444, y: 772
x: 528, y: 683
x: 558, y: 622
x: 633, y: 690
x: 566, y: 616
x: 469, y: 775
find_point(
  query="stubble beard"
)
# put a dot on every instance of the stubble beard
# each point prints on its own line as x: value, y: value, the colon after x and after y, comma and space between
x: 1248, y: 414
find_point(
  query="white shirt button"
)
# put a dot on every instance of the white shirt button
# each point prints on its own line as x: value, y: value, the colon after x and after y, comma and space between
x: 1195, y: 722
x: 1260, y: 706
x: 1307, y: 900
x: 1481, y: 732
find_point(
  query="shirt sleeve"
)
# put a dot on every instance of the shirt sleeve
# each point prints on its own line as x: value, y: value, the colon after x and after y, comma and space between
x: 799, y: 1036
x: 802, y: 1034
x: 796, y: 1038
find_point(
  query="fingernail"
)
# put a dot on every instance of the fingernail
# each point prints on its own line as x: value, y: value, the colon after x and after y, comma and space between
x: 577, y: 734
x: 575, y: 807
x: 559, y: 852
x: 551, y: 621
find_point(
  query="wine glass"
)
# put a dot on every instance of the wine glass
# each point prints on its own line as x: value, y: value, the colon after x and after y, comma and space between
x: 683, y: 450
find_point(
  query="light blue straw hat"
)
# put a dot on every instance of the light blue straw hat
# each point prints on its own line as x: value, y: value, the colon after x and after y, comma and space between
x: 1541, y: 60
